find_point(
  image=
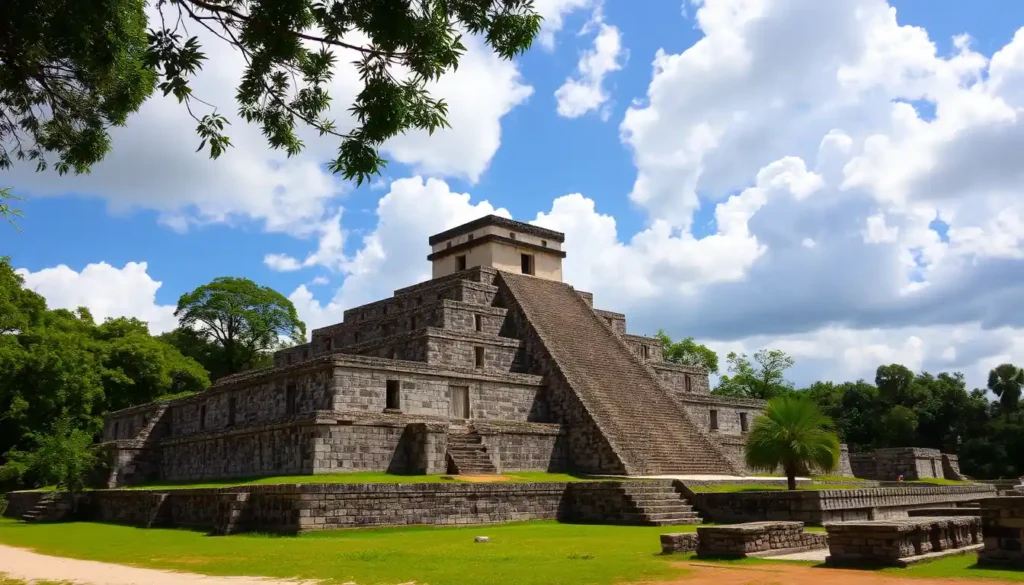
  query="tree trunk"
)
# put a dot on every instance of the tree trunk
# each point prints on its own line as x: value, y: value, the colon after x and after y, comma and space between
x: 791, y: 478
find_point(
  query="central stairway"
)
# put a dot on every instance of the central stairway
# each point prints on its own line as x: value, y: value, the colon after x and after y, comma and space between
x: 649, y: 432
x: 467, y: 454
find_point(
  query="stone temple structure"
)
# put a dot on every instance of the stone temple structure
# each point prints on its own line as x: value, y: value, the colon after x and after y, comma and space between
x: 493, y: 365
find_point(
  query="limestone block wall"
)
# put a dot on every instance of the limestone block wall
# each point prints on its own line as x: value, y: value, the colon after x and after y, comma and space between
x: 423, y: 391
x: 394, y: 448
x: 722, y: 415
x: 524, y: 446
x: 139, y: 422
x: 683, y: 380
x: 818, y: 507
x: 285, y: 448
x: 256, y: 399
x: 912, y: 463
x: 951, y: 467
x: 617, y: 321
x: 294, y: 354
x: 648, y: 349
x: 1002, y: 522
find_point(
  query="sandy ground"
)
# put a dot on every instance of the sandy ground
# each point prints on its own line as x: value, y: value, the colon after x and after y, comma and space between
x: 783, y: 574
x: 29, y: 566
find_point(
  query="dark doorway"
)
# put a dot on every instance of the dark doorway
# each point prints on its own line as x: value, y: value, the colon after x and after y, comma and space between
x: 527, y: 263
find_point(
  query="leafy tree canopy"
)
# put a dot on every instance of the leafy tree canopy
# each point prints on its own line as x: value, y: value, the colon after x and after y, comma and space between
x: 1006, y: 381
x: 72, y: 70
x: 688, y: 352
x: 765, y: 380
x: 244, y: 319
x: 58, y: 365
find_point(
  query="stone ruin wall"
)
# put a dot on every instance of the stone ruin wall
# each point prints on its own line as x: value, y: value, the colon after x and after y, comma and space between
x: 913, y: 463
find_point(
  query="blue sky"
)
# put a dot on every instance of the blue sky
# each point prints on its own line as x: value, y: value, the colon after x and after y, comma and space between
x: 820, y: 270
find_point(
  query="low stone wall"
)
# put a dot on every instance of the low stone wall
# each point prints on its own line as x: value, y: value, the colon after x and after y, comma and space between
x: 944, y: 512
x: 901, y: 542
x: 678, y: 542
x: 20, y: 502
x: 911, y: 462
x: 524, y: 446
x: 819, y: 507
x: 1002, y: 520
x: 756, y: 539
x: 310, y: 507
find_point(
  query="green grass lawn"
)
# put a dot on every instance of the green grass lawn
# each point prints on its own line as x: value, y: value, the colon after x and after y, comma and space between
x: 534, y: 553
x: 531, y: 553
x: 355, y: 477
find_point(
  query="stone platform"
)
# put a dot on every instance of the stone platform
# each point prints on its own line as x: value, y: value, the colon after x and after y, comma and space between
x: 817, y: 507
x: 297, y: 508
x: 901, y: 542
x: 755, y: 539
x: 1002, y: 520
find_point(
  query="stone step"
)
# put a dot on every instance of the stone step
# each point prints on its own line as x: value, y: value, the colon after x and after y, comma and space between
x: 665, y: 508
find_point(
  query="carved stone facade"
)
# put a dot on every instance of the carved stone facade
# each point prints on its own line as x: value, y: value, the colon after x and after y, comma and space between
x: 513, y: 370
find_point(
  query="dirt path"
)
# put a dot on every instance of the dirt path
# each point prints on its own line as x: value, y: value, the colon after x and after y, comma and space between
x: 784, y: 574
x: 26, y: 565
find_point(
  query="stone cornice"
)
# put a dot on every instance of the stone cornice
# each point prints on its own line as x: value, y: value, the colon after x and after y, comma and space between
x: 493, y: 238
x: 494, y: 220
x: 674, y: 367
x: 722, y: 400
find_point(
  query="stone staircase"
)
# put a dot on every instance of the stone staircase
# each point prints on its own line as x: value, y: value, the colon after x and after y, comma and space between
x: 52, y: 507
x: 658, y: 504
x: 467, y: 454
x: 649, y: 432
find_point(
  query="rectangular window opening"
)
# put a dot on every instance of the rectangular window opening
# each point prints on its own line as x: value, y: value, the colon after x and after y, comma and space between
x: 544, y: 243
x: 392, y: 399
x: 232, y: 403
x: 290, y: 399
x: 645, y: 351
x: 448, y: 245
x: 526, y: 261
x: 355, y: 337
x: 460, y: 263
x: 512, y: 235
x: 689, y: 384
x: 329, y: 344
x: 743, y: 422
x: 202, y: 417
x: 714, y: 420
x: 412, y: 323
x: 115, y: 429
x: 478, y: 322
x: 479, y: 355
x: 469, y: 238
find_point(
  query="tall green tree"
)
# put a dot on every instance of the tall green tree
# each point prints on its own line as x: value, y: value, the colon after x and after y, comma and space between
x: 1005, y: 381
x: 71, y: 70
x: 58, y: 365
x: 688, y: 352
x: 793, y: 434
x: 245, y: 319
x: 765, y: 380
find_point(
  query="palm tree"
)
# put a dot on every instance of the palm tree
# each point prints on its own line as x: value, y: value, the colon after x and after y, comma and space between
x: 792, y: 433
x: 1005, y: 381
